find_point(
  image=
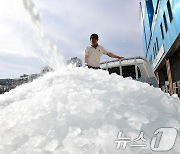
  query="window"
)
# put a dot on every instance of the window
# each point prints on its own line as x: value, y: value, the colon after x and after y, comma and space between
x: 169, y: 11
x: 165, y: 21
x: 162, y: 32
x: 127, y: 71
x: 158, y: 1
x: 154, y: 53
x: 114, y: 70
x: 157, y: 44
x: 150, y: 60
x: 150, y: 10
x: 155, y: 48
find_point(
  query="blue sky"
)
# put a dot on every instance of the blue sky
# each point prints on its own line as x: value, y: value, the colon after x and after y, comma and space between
x: 68, y: 25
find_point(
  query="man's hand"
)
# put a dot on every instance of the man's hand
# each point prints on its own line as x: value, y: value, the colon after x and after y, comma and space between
x: 119, y: 57
x: 114, y: 56
x: 85, y: 65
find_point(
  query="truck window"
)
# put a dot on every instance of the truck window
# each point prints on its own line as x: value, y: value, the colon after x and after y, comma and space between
x: 127, y: 71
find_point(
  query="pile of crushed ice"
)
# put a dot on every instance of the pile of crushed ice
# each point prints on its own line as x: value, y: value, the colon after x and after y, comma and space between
x: 82, y: 111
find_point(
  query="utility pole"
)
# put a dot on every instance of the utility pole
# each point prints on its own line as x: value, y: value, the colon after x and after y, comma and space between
x: 168, y: 67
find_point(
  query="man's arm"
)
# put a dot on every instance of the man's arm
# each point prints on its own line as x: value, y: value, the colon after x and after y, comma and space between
x: 113, y: 55
x: 85, y: 57
x: 85, y: 60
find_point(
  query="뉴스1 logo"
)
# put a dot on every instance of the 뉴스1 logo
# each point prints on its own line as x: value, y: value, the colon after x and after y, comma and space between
x: 163, y: 140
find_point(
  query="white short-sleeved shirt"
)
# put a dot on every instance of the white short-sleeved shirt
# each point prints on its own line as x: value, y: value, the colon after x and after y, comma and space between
x: 94, y: 55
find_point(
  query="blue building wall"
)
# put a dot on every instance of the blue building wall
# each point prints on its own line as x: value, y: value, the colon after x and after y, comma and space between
x: 152, y: 33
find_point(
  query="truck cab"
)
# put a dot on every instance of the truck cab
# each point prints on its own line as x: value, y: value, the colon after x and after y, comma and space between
x: 136, y: 67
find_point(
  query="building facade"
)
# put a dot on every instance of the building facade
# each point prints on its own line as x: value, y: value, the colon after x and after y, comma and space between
x: 160, y: 21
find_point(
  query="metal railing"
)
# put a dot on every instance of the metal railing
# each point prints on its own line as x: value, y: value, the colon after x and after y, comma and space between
x: 124, y: 59
x: 176, y: 88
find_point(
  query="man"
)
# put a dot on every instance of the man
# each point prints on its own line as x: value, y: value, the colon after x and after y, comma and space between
x: 93, y: 53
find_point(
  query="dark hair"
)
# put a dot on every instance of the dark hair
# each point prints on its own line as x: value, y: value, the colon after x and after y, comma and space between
x: 94, y: 36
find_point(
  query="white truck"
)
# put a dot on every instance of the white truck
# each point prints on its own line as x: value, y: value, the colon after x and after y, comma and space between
x: 136, y: 67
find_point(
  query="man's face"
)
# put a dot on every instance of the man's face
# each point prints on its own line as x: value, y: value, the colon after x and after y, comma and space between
x: 94, y: 41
